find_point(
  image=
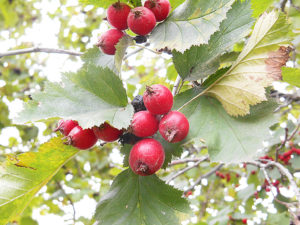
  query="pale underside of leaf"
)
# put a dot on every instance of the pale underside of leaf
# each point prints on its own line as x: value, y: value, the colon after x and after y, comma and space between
x: 121, y: 50
x: 69, y: 101
x: 192, y: 23
x: 258, y: 65
x: 22, y: 176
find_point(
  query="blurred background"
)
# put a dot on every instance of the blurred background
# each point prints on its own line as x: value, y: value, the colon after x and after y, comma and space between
x: 71, y: 196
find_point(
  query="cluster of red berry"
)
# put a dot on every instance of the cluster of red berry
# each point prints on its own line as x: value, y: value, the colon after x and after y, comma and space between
x: 285, y: 157
x: 140, y: 20
x: 147, y: 156
x: 244, y: 221
x: 152, y: 113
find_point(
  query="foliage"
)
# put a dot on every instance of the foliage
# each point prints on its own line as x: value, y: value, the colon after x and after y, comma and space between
x: 227, y: 67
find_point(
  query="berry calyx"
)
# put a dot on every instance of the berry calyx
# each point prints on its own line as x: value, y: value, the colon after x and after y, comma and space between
x: 108, y: 41
x: 138, y: 104
x: 144, y: 124
x: 160, y: 8
x: 81, y: 138
x: 141, y: 21
x: 65, y: 126
x: 107, y: 133
x: 146, y: 157
x: 174, y: 127
x: 117, y: 15
x: 158, y: 99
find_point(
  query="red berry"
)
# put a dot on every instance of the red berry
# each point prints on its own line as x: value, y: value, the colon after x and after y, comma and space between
x: 144, y: 124
x: 117, y: 15
x: 217, y: 173
x: 82, y: 138
x: 107, y: 132
x: 108, y: 41
x: 65, y: 126
x: 256, y: 195
x: 174, y: 127
x: 253, y: 172
x: 146, y: 157
x: 160, y: 8
x: 188, y: 193
x: 222, y: 176
x: 268, y: 189
x: 158, y: 99
x: 296, y: 150
x: 244, y: 221
x: 141, y: 21
x: 228, y: 177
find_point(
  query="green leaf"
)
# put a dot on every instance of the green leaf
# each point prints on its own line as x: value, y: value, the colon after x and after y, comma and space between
x: 94, y: 56
x: 191, y: 23
x: 170, y: 149
x: 22, y: 176
x: 91, y: 96
x: 107, y: 3
x: 291, y: 76
x: 258, y: 65
x: 260, y: 6
x: 199, y: 62
x: 176, y: 3
x: 136, y: 200
x: 229, y: 139
x: 121, y: 50
x: 246, y: 193
x: 278, y: 219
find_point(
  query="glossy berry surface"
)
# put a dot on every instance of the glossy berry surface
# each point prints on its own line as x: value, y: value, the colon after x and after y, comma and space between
x: 65, y: 126
x: 117, y: 15
x: 158, y: 99
x: 174, y: 127
x: 82, y: 138
x: 108, y: 41
x: 244, y: 221
x: 144, y: 124
x: 160, y: 8
x: 138, y: 104
x: 146, y: 157
x: 107, y: 133
x: 141, y: 21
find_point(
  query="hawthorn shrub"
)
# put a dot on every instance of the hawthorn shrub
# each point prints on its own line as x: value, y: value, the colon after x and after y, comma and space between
x: 202, y: 144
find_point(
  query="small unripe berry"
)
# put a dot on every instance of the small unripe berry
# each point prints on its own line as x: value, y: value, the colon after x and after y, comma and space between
x: 65, y: 126
x: 141, y: 21
x: 138, y: 104
x: 174, y: 127
x: 107, y: 133
x: 144, y: 124
x: 117, y: 15
x: 158, y: 99
x: 82, y: 138
x: 108, y: 41
x: 146, y: 157
x: 160, y: 8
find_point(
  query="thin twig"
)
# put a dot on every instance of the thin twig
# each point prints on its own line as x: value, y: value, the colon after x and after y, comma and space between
x: 208, y: 174
x: 176, y: 85
x: 39, y: 49
x: 182, y: 161
x: 282, y: 5
x: 294, y: 132
x: 177, y: 174
x: 69, y: 199
x: 294, y: 6
x: 283, y: 171
x: 282, y: 144
x: 149, y: 49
